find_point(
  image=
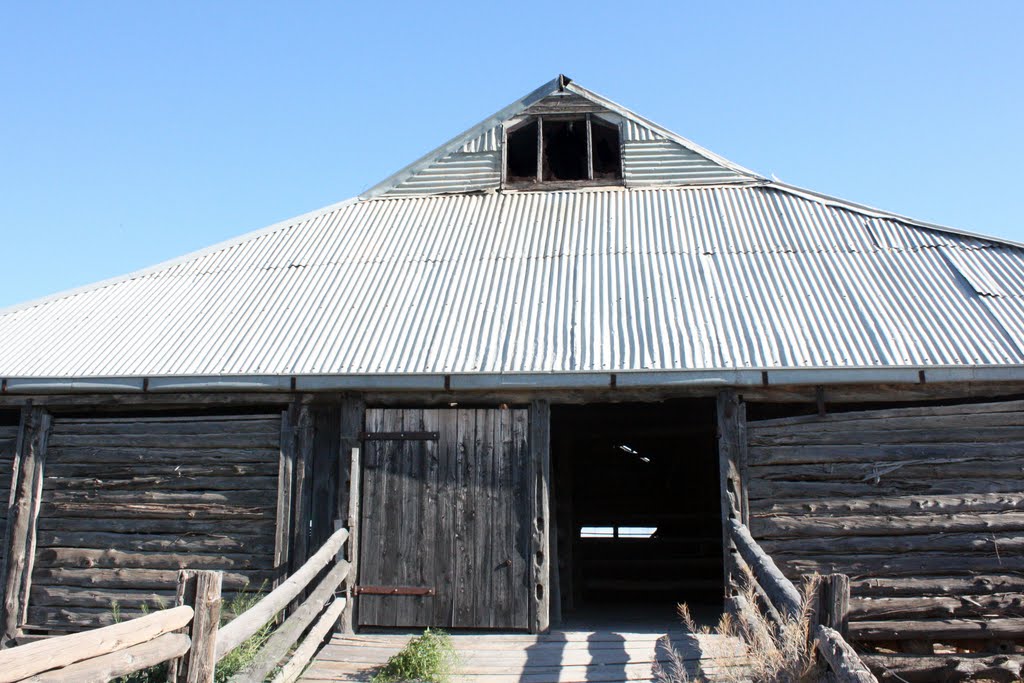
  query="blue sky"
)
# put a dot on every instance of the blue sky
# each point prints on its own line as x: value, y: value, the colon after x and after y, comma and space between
x: 131, y: 133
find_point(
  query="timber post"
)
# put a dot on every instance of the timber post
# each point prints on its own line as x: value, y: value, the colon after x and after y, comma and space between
x: 833, y: 602
x: 201, y: 589
x: 352, y: 546
x: 731, y: 430
x: 26, y: 490
x: 539, y: 483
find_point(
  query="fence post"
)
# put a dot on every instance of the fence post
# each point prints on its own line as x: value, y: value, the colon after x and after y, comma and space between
x: 201, y: 589
x: 833, y: 608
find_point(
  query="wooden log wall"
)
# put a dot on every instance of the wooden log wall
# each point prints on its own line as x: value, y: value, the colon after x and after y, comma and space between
x: 127, y: 501
x: 922, y: 507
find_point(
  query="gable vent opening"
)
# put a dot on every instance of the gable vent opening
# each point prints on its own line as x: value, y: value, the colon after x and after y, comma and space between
x: 571, y: 150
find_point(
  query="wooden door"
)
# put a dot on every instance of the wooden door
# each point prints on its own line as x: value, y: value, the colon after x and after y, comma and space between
x: 445, y: 533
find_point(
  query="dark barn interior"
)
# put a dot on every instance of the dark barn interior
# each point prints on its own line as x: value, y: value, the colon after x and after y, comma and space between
x: 636, y: 497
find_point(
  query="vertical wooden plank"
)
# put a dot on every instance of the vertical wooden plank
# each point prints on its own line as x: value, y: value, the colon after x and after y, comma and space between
x: 12, y: 501
x: 522, y: 514
x: 372, y: 515
x: 833, y: 602
x: 325, y: 472
x: 352, y: 418
x: 285, y: 481
x: 540, y: 459
x: 427, y: 574
x: 354, y: 521
x: 447, y: 529
x: 302, y: 495
x: 503, y: 520
x: 465, y: 560
x: 728, y: 414
x: 483, y: 521
x: 565, y: 526
x: 26, y: 487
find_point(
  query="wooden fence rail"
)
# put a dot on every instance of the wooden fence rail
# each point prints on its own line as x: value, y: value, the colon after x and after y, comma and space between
x: 784, y: 599
x: 124, y: 648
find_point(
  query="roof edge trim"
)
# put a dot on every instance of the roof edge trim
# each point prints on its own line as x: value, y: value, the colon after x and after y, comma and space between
x: 520, y: 381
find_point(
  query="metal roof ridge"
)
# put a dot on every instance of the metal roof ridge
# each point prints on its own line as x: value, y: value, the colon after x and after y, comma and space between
x: 873, y: 212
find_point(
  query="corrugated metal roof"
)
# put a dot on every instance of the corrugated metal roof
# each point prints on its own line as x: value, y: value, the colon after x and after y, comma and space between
x: 655, y: 280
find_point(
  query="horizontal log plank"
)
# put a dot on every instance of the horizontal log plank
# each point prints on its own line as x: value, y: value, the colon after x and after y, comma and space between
x: 937, y: 607
x: 167, y: 441
x: 810, y: 454
x: 886, y: 435
x: 195, y: 543
x: 937, y: 585
x: 142, y: 525
x: 880, y: 525
x: 760, y: 489
x: 77, y: 596
x: 124, y: 455
x: 27, y: 660
x: 946, y: 504
x: 938, y: 630
x: 191, y: 468
x: 89, y: 557
x: 978, y: 544
x: 196, y: 426
x: 140, y: 579
x: 143, y: 419
x: 893, y: 413
x: 875, y: 472
x: 946, y: 668
x: 857, y: 566
x: 864, y: 422
x: 240, y: 497
x: 172, y: 510
x: 168, y: 482
x: 123, y: 662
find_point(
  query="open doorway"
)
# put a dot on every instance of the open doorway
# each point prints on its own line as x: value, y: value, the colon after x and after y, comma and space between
x: 636, y: 497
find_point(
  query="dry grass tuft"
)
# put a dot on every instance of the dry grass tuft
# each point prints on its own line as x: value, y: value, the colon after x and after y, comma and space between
x: 776, y: 652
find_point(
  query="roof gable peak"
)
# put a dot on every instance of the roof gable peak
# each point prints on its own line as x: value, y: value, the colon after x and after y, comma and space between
x: 476, y: 160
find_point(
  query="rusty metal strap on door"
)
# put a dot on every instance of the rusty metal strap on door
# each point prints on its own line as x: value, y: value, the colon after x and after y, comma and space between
x: 393, y: 590
x: 400, y: 436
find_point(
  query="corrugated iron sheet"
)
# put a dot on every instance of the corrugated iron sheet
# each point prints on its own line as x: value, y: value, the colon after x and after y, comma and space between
x: 458, y: 172
x: 612, y: 280
x: 664, y: 162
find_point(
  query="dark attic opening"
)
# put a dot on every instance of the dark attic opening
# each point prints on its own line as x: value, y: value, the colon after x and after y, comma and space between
x: 636, y: 497
x: 573, y: 149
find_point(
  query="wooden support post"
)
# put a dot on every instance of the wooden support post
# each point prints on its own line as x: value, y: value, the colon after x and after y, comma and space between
x: 731, y: 447
x: 285, y: 482
x: 540, y: 487
x: 202, y: 590
x: 352, y: 549
x: 353, y: 416
x: 26, y: 489
x: 833, y: 602
x: 301, y: 495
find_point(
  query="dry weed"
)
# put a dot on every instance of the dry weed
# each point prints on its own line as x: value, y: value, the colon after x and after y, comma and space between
x: 777, y: 652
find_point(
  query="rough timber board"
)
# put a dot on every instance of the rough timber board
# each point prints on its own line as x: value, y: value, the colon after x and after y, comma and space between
x: 569, y: 656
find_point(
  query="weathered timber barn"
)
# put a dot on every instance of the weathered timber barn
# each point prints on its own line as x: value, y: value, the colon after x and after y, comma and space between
x: 538, y: 371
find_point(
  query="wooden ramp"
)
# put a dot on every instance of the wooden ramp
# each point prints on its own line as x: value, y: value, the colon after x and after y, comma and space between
x: 564, y: 656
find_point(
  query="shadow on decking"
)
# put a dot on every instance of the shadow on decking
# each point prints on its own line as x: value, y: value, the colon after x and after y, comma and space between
x: 575, y: 653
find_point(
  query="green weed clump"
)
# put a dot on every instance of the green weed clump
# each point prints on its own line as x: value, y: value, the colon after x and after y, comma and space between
x: 429, y: 658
